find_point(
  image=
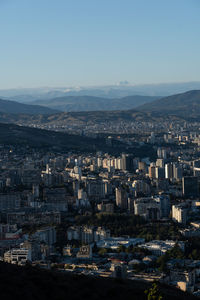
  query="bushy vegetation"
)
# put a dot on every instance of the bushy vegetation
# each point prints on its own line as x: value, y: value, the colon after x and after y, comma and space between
x: 33, y: 283
x: 175, y: 252
x: 153, y: 293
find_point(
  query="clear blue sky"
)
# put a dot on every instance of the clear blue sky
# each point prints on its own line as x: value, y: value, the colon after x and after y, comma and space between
x: 97, y: 42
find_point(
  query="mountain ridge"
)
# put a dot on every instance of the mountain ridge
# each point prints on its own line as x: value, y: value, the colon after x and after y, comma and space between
x: 185, y: 106
x: 108, y: 91
x: 91, y: 103
x: 178, y: 104
x: 13, y: 107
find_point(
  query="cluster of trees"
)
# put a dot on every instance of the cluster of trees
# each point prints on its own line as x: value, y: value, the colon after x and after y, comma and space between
x: 159, y: 231
x: 134, y: 226
x: 119, y: 224
x: 192, y: 250
x: 175, y: 252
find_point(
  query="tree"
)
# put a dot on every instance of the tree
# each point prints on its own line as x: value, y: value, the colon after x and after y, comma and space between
x: 121, y: 248
x: 102, y: 251
x: 153, y: 293
x: 176, y: 252
x: 95, y: 248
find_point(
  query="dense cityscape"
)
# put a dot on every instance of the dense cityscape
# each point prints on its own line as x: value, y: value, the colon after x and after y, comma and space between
x: 103, y: 215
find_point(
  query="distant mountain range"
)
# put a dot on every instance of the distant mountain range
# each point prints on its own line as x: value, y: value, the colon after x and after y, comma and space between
x: 186, y: 105
x: 90, y: 103
x: 120, y: 90
x: 13, y: 107
x: 183, y: 106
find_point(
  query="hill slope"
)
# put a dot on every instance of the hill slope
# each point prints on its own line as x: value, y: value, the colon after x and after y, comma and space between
x: 83, y: 118
x: 11, y: 134
x: 183, y: 105
x: 89, y: 103
x: 13, y: 107
x: 15, y: 135
x: 89, y: 117
x: 33, y: 283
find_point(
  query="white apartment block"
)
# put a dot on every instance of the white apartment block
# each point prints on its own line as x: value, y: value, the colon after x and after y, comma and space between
x: 179, y: 214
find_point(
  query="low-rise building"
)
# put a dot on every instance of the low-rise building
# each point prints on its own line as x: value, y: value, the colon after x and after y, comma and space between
x: 159, y: 248
x: 16, y: 256
x: 85, y: 252
x: 115, y: 242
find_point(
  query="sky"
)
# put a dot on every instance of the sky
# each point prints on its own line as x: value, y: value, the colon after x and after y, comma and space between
x: 98, y: 42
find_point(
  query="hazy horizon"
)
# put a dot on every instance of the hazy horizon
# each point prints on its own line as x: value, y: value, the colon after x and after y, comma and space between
x: 120, y: 84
